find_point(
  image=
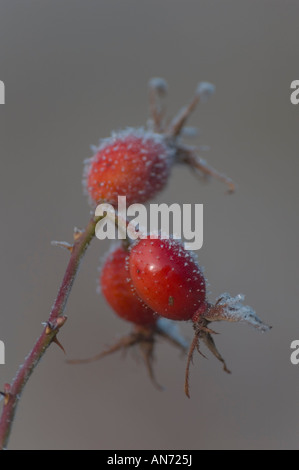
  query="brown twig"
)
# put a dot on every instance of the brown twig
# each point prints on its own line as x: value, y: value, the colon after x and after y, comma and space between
x: 12, y: 393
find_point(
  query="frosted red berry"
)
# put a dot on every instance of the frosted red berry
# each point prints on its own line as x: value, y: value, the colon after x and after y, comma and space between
x: 116, y: 287
x: 134, y: 163
x: 117, y: 290
x: 168, y: 278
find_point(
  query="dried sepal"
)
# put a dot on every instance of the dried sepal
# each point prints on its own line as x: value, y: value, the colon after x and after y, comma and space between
x: 232, y: 309
x: 145, y: 338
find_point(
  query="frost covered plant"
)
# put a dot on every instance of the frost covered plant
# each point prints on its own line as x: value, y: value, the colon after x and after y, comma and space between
x: 136, y: 163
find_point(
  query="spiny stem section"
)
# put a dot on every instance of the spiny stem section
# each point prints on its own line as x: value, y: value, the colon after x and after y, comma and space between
x: 12, y: 392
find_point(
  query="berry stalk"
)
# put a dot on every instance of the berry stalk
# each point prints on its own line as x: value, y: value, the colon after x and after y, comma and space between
x: 13, y: 392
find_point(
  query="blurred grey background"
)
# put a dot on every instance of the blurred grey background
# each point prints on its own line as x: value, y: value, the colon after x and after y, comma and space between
x: 74, y: 71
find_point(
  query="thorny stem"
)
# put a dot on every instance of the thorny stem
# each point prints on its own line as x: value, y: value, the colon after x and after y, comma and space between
x: 12, y: 393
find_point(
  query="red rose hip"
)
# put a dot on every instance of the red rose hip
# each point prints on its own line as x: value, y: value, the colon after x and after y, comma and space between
x: 168, y: 278
x: 116, y: 287
x: 134, y: 163
x: 117, y: 290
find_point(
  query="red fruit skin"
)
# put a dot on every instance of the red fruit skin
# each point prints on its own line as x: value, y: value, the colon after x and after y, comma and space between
x: 117, y: 290
x: 167, y: 278
x: 134, y: 163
